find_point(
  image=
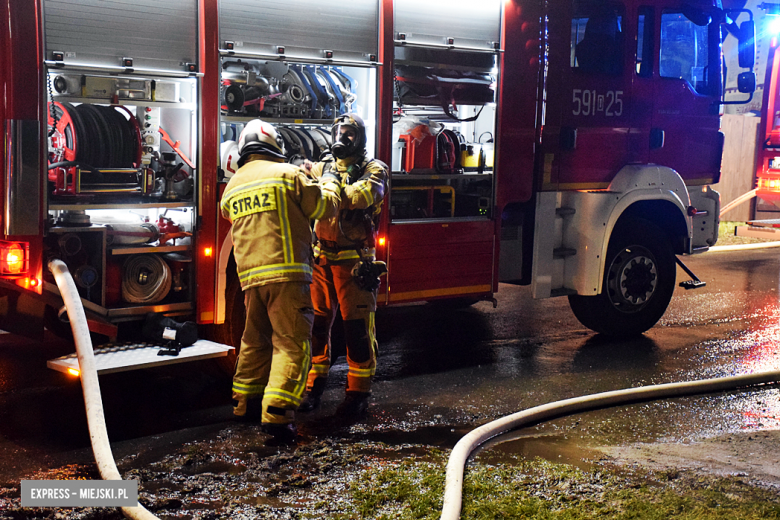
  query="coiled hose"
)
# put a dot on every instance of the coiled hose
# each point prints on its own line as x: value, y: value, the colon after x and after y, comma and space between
x: 96, y: 421
x: 453, y: 485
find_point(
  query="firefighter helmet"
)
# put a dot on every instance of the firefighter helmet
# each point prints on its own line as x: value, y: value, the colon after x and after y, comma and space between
x: 346, y: 143
x: 259, y: 137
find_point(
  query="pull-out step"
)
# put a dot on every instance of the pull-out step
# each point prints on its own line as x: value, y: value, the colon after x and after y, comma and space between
x: 132, y: 356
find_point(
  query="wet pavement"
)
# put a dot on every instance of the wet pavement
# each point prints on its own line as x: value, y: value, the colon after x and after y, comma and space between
x: 441, y: 372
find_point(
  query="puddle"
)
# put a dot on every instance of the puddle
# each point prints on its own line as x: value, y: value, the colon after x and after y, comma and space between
x: 554, y: 448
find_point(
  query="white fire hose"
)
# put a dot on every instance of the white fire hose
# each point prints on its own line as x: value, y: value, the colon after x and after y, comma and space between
x: 453, y: 486
x: 96, y: 421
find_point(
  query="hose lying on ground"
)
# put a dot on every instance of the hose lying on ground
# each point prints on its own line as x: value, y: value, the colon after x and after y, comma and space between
x: 93, y: 402
x: 453, y: 486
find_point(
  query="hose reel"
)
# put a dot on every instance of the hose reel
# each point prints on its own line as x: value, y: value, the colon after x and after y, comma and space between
x: 146, y: 278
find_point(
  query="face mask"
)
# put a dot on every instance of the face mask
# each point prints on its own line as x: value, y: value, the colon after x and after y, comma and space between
x: 342, y: 148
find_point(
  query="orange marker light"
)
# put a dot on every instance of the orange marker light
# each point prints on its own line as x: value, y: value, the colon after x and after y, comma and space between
x: 208, y: 251
x: 74, y: 372
x: 13, y: 258
x: 381, y: 241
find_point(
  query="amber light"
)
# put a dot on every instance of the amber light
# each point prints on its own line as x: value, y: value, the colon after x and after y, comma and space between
x: 208, y: 251
x: 74, y: 372
x: 381, y: 241
x: 772, y: 184
x: 13, y: 258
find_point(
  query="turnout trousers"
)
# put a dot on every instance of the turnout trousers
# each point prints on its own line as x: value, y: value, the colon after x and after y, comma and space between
x: 275, y: 353
x: 334, y: 289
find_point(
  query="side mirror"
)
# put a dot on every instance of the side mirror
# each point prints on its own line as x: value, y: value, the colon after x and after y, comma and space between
x: 746, y: 82
x: 747, y: 45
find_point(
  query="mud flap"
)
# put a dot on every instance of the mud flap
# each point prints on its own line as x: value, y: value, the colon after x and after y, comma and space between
x: 21, y: 311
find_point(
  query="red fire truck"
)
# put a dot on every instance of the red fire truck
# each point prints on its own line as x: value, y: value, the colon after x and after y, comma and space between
x: 568, y: 145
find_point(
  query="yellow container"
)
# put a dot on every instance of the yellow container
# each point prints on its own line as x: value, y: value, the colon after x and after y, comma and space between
x: 471, y: 156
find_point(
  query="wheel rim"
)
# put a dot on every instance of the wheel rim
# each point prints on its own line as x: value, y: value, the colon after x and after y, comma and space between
x: 632, y: 279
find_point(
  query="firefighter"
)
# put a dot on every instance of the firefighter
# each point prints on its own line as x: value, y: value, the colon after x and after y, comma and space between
x: 270, y: 205
x: 346, y: 275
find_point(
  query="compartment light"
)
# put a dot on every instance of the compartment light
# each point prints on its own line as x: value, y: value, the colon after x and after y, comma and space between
x: 74, y: 372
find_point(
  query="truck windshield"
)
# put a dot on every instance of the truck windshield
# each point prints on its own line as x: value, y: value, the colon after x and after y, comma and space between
x: 686, y: 52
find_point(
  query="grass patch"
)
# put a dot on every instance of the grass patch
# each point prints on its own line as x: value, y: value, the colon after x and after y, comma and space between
x: 726, y: 235
x: 543, y: 490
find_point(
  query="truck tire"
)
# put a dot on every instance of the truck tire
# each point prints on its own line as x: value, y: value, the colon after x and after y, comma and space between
x: 639, y: 280
x: 230, y: 332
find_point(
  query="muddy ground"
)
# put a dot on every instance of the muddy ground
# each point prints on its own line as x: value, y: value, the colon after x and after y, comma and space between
x: 240, y: 474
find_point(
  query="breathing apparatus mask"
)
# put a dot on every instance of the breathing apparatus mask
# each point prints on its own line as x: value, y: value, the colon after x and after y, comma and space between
x: 348, y: 135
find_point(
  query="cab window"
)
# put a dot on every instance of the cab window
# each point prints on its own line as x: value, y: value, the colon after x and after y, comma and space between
x: 597, y: 37
x: 686, y: 52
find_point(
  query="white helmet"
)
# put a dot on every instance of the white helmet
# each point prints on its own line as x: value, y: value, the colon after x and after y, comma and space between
x: 259, y: 137
x: 228, y: 155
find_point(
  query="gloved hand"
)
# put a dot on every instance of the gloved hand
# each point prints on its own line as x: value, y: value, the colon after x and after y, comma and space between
x: 367, y: 274
x: 330, y: 177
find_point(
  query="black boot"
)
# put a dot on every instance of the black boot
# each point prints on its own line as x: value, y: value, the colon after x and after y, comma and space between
x: 312, y: 399
x: 355, y: 405
x: 280, y: 433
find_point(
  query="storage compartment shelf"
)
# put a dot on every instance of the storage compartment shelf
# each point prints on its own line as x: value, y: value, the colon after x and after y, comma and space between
x: 147, y: 249
x: 133, y: 312
x: 81, y: 205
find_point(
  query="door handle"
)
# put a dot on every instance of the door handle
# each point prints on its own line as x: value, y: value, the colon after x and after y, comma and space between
x: 657, y: 138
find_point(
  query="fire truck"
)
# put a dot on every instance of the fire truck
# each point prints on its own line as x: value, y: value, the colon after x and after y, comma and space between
x: 568, y: 145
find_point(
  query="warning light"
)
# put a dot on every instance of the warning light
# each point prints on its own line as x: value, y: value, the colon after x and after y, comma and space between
x: 74, y: 372
x: 31, y: 282
x: 208, y: 251
x: 13, y: 258
x: 769, y: 184
x: 381, y: 241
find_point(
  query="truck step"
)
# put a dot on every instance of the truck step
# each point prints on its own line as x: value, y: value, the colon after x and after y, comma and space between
x: 132, y: 356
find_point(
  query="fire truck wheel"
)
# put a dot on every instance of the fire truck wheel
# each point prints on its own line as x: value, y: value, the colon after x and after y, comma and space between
x: 639, y: 280
x: 231, y: 331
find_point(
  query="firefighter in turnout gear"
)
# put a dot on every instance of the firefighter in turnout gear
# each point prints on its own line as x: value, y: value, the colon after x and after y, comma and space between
x: 270, y: 205
x: 346, y: 275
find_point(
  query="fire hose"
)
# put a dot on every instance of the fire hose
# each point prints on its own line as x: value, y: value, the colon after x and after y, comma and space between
x: 93, y: 402
x: 453, y: 485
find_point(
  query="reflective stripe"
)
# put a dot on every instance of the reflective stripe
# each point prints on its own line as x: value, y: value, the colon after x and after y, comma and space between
x: 241, y: 388
x: 347, y: 254
x: 280, y: 182
x: 278, y: 393
x: 285, y: 231
x: 296, y: 395
x: 361, y: 372
x: 253, y: 202
x: 372, y: 333
x: 366, y: 191
x: 320, y: 370
x: 278, y: 269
